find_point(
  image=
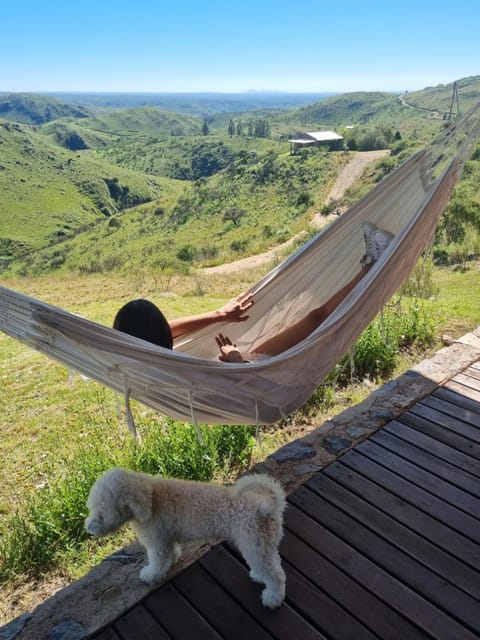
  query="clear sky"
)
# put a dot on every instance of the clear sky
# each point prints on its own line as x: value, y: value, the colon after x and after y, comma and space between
x: 220, y: 45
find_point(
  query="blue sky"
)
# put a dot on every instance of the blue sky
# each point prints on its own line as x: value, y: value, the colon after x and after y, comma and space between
x: 217, y: 45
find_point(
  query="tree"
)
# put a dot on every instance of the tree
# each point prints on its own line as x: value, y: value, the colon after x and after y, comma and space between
x: 233, y: 214
x: 231, y: 128
x: 205, y: 129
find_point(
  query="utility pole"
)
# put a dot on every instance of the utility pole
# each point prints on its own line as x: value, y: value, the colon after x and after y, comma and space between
x: 454, y: 99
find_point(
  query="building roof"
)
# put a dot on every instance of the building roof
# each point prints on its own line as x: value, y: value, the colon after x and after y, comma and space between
x: 317, y: 136
x: 323, y: 136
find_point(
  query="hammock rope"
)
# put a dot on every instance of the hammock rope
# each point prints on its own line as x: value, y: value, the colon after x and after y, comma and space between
x: 190, y: 383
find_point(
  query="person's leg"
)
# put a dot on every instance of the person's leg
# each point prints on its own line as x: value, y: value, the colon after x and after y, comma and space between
x: 300, y: 330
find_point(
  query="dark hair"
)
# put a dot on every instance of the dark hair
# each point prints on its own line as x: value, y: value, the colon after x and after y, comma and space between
x: 142, y: 319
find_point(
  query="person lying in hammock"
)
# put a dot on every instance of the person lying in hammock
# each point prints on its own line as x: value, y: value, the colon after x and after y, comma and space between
x: 143, y: 319
x: 376, y: 241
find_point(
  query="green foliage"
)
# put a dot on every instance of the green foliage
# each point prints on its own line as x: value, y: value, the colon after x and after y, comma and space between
x: 49, y: 192
x: 179, y: 450
x: 421, y: 282
x: 215, y: 216
x: 376, y: 352
x: 458, y: 236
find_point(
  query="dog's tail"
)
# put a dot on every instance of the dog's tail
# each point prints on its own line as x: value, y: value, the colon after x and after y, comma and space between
x: 268, y: 492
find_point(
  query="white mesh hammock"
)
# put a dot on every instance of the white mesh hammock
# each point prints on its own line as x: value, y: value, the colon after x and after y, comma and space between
x: 190, y: 383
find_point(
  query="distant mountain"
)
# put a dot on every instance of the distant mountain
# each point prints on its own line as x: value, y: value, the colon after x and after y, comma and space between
x: 200, y: 105
x: 29, y: 108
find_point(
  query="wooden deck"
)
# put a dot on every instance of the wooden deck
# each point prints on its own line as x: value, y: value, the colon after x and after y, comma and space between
x: 384, y: 543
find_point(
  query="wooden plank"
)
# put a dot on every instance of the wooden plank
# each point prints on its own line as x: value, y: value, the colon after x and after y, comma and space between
x: 218, y: 608
x: 106, y: 634
x: 446, y: 436
x: 457, y: 399
x: 403, y: 538
x: 177, y: 616
x: 376, y: 579
x: 474, y: 373
x: 443, y: 536
x: 443, y: 594
x: 469, y: 378
x: 424, y: 479
x: 448, y: 422
x: 320, y: 610
x: 460, y: 385
x: 453, y: 410
x: 139, y: 623
x: 436, y: 448
x: 427, y: 461
x: 353, y: 597
x: 283, y: 623
x: 416, y: 496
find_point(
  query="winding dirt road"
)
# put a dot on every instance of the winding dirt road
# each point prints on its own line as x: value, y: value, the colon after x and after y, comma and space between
x: 347, y: 176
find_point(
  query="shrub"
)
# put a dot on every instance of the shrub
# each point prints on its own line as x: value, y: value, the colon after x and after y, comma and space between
x: 376, y: 352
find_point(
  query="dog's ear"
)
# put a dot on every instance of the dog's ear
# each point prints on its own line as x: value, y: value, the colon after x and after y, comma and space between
x: 137, y: 498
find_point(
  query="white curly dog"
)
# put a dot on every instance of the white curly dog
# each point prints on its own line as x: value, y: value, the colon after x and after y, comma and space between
x: 165, y: 513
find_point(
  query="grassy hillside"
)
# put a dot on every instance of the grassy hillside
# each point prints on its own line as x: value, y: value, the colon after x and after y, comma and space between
x: 120, y: 125
x: 256, y: 203
x: 188, y: 157
x: 438, y: 100
x: 36, y: 109
x: 241, y: 191
x: 48, y: 192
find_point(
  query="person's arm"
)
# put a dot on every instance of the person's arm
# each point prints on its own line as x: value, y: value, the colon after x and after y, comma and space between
x: 233, y: 311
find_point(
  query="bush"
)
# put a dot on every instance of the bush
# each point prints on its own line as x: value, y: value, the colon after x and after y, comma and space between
x: 376, y: 352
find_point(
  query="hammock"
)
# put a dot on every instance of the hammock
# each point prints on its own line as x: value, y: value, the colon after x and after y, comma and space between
x: 190, y: 383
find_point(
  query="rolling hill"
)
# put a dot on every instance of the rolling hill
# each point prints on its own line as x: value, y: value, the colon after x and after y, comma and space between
x: 31, y: 108
x: 49, y: 192
x: 81, y: 190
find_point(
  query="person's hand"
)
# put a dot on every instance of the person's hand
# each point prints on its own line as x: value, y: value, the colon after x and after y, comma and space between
x: 234, y: 309
x: 228, y: 351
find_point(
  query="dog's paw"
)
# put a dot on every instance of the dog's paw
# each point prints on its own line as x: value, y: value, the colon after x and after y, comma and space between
x: 256, y: 577
x: 272, y: 598
x: 150, y: 575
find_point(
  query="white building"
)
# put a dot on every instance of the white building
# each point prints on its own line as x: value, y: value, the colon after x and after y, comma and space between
x: 316, y: 138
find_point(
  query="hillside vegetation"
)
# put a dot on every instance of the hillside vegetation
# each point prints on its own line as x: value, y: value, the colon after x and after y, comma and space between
x: 49, y: 193
x: 31, y: 108
x: 124, y: 187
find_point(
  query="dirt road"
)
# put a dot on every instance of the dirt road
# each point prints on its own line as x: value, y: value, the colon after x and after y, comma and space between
x: 346, y: 177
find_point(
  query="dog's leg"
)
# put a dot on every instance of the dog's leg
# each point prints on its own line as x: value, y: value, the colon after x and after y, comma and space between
x: 160, y: 558
x: 265, y: 568
x: 274, y: 579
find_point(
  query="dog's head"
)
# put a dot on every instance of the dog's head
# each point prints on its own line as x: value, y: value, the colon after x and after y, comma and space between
x: 117, y: 497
